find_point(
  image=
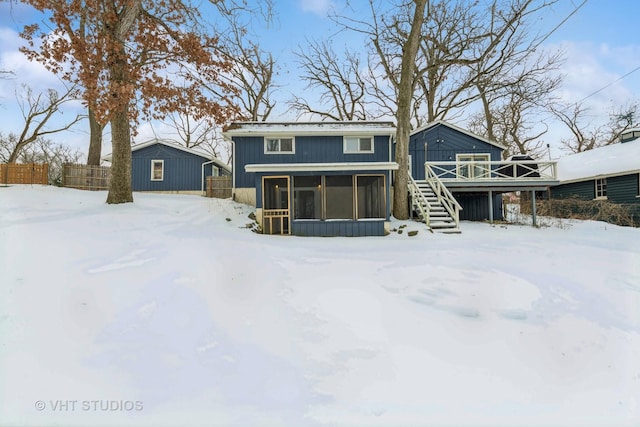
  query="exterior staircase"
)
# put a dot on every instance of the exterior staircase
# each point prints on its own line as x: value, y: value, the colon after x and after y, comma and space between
x: 435, y: 205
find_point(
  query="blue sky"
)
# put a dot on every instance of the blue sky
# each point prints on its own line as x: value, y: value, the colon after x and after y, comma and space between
x: 601, y: 44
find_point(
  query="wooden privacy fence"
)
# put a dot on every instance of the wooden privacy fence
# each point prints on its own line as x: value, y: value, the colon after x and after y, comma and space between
x: 29, y: 173
x: 219, y: 187
x: 86, y: 177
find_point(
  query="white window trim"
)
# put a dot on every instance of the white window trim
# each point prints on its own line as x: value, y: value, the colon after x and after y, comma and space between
x: 153, y: 162
x: 595, y: 183
x: 346, y: 151
x: 279, y: 138
x: 486, y: 159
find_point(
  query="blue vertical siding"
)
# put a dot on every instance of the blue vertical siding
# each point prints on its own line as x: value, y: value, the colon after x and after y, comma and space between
x: 583, y: 189
x: 623, y: 189
x: 182, y: 170
x: 475, y: 206
x: 451, y: 142
x: 308, y: 149
x: 337, y: 228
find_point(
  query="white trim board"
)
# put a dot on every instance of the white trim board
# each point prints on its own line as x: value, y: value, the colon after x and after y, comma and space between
x: 321, y: 167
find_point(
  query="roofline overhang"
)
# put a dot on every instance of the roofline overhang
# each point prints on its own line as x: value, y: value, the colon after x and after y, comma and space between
x: 321, y: 167
x: 324, y: 128
x: 208, y: 157
x: 601, y: 176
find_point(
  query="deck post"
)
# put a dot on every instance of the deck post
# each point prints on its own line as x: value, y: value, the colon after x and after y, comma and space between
x: 533, y: 208
x: 490, y: 207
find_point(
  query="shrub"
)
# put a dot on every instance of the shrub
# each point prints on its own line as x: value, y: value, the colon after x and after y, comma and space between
x: 577, y: 208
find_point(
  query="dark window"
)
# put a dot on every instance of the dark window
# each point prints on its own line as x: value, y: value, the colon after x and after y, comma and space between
x: 371, y: 197
x: 339, y: 197
x: 307, y: 197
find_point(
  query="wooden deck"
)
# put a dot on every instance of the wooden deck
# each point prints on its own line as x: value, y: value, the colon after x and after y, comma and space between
x: 508, y: 175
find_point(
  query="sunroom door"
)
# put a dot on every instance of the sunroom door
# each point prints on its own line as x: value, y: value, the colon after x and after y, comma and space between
x: 275, y: 205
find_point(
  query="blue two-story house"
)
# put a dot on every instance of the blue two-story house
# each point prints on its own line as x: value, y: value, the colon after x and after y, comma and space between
x: 315, y: 179
x: 336, y: 178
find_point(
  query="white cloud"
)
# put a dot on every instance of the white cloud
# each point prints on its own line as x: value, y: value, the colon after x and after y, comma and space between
x: 319, y: 7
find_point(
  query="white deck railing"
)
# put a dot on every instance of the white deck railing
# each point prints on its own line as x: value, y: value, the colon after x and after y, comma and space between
x: 444, y: 196
x: 507, y: 170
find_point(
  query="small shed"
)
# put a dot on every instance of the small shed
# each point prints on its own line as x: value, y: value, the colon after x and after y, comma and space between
x: 166, y: 166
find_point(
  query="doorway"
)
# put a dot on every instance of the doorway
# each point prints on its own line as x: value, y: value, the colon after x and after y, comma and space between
x: 275, y: 205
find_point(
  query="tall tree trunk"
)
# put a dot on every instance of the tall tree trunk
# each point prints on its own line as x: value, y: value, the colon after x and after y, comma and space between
x: 120, y: 184
x: 95, y: 140
x: 13, y: 157
x: 403, y: 115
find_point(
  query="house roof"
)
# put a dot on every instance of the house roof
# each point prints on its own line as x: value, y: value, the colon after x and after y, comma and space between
x: 309, y: 128
x: 610, y: 160
x: 459, y: 129
x: 175, y: 145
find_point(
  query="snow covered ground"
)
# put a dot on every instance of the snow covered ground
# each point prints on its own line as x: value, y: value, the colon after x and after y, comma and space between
x: 168, y: 311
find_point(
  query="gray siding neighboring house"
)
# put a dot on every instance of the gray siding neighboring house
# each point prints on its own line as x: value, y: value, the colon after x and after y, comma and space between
x: 611, y: 172
x: 165, y: 166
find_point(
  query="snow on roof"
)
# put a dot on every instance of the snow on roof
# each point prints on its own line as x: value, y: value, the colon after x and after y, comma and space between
x: 177, y: 146
x: 615, y: 159
x: 310, y: 128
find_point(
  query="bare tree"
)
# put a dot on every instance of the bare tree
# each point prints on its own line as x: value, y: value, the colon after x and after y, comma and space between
x: 200, y: 134
x: 585, y: 135
x: 53, y: 154
x: 252, y: 71
x: 339, y: 78
x: 37, y: 110
x: 403, y: 115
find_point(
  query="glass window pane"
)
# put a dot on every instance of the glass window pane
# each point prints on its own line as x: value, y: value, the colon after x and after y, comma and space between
x: 371, y: 197
x: 286, y: 145
x: 339, y: 197
x: 157, y: 170
x: 351, y: 144
x: 365, y: 144
x: 307, y: 197
x: 272, y: 145
x: 275, y: 193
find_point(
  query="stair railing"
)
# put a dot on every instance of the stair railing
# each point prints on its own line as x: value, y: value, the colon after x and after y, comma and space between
x: 445, y: 198
x: 419, y: 201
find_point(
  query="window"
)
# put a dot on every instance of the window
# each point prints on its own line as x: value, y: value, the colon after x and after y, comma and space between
x: 339, y: 197
x: 473, y: 165
x: 601, y: 188
x: 338, y: 193
x: 371, y: 196
x: 157, y: 170
x: 307, y: 197
x: 279, y: 145
x: 358, y: 145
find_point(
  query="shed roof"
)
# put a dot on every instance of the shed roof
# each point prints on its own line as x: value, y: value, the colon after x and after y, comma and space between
x: 309, y: 128
x: 459, y: 129
x: 177, y: 146
x: 610, y: 160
